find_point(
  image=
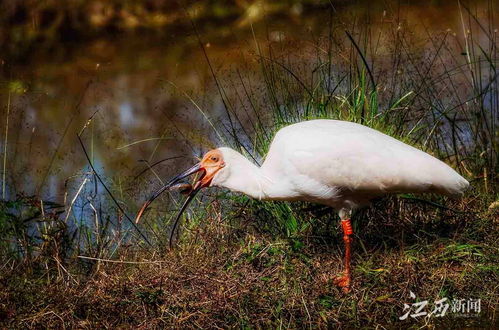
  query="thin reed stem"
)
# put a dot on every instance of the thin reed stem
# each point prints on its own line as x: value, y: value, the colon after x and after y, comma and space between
x: 4, y: 171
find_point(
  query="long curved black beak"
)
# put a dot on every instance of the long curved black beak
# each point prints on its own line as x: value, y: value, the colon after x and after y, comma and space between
x: 196, y: 168
x: 191, y: 196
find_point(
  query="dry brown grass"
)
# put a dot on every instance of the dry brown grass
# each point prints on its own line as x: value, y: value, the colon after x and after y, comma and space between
x: 228, y: 276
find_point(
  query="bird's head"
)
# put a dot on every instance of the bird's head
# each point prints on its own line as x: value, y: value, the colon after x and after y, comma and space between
x: 211, y: 165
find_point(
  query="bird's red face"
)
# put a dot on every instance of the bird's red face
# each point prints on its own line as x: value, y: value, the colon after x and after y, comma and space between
x: 211, y: 163
x: 208, y: 167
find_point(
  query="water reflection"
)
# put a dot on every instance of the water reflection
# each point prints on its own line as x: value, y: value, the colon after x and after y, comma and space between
x: 126, y: 114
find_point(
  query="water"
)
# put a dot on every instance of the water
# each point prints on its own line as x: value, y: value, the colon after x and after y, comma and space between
x: 142, y: 91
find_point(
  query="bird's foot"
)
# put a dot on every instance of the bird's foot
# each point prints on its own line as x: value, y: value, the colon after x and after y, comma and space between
x: 343, y: 282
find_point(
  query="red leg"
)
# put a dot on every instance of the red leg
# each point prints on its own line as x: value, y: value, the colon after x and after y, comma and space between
x: 345, y: 280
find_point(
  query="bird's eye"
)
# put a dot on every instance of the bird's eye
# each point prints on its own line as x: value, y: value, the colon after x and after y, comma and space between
x: 215, y: 159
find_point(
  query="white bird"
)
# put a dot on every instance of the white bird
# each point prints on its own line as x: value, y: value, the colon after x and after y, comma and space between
x: 336, y: 163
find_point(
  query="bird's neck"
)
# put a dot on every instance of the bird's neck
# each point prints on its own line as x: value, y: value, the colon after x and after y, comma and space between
x: 245, y: 177
x: 249, y: 179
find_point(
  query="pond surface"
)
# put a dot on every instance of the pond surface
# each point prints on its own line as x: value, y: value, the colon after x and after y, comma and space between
x: 138, y: 96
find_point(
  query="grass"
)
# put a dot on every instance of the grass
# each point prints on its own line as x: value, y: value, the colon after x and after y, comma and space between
x: 4, y: 169
x: 246, y: 263
x: 226, y: 275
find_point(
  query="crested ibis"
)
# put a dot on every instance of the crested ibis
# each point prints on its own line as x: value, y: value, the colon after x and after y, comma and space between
x: 340, y: 164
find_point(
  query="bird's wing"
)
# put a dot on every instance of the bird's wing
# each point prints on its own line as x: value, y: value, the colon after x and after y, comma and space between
x: 357, y: 158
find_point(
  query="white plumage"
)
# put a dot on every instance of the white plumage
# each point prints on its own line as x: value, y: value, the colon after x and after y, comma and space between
x: 336, y: 163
